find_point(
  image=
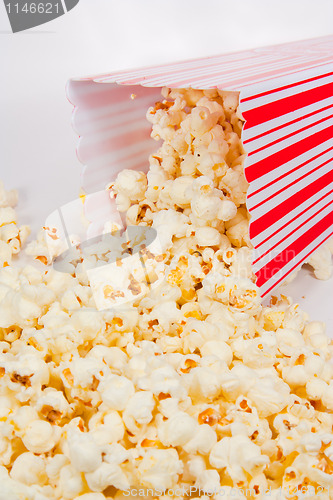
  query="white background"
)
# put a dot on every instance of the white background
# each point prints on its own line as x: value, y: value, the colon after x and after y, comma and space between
x: 37, y: 144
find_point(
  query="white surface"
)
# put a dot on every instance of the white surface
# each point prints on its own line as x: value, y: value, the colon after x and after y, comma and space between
x: 37, y: 143
x: 314, y: 296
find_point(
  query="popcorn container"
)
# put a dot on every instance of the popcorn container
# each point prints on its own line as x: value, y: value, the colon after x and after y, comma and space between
x: 286, y: 99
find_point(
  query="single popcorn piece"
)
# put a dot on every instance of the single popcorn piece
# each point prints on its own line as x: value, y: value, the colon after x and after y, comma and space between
x: 29, y: 469
x: 47, y: 246
x: 238, y: 455
x: 84, y: 454
x: 7, y: 198
x: 117, y: 392
x: 159, y: 468
x: 321, y: 261
x: 192, y: 382
x: 178, y: 429
x: 40, y: 436
x: 107, y: 475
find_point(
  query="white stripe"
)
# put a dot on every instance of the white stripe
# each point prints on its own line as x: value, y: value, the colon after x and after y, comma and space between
x: 118, y: 154
x: 190, y: 77
x: 207, y: 82
x: 293, y: 213
x: 210, y: 62
x: 286, y: 167
x: 281, y: 94
x: 262, y: 195
x: 123, y: 130
x: 273, y: 52
x: 230, y: 82
x: 194, y: 73
x: 193, y: 70
x: 119, y: 107
x: 98, y: 125
x: 281, y: 81
x: 283, y: 74
x: 270, y: 150
x: 290, y: 191
x: 302, y: 228
x: 284, y: 119
x: 300, y: 259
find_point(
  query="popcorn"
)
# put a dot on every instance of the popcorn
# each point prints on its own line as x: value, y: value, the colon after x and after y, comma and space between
x: 139, y: 409
x: 12, y: 237
x: 177, y: 430
x: 106, y: 427
x: 217, y: 348
x: 203, y: 441
x: 40, y: 436
x: 191, y: 381
x: 7, y: 198
x: 164, y: 380
x: 181, y: 191
x: 7, y: 215
x: 269, y: 396
x: 129, y: 187
x: 240, y: 294
x: 91, y: 496
x: 87, y: 322
x: 321, y: 261
x: 5, y: 254
x: 160, y: 469
x: 327, y: 398
x: 227, y: 211
x: 208, y: 480
x: 54, y: 466
x: 169, y: 223
x: 70, y: 482
x: 85, y: 455
x: 238, y: 456
x: 29, y: 469
x: 107, y: 475
x: 117, y: 392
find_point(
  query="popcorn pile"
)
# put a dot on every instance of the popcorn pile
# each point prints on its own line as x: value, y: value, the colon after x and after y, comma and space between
x: 192, y: 383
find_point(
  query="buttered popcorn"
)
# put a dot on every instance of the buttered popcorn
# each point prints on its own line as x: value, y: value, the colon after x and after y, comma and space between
x: 189, y: 384
x: 12, y: 237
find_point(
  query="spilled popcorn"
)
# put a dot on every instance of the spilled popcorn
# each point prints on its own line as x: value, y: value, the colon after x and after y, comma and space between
x: 12, y: 237
x: 191, y: 384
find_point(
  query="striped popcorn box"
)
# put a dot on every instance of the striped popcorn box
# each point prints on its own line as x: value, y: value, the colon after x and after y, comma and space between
x: 286, y: 98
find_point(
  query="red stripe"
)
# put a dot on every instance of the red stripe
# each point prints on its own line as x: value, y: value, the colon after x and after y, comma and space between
x: 290, y: 184
x: 286, y: 105
x: 262, y: 167
x: 298, y: 131
x: 294, y: 230
x: 268, y: 219
x: 272, y: 91
x: 288, y: 173
x: 289, y: 253
x: 271, y: 130
x: 296, y: 265
x: 292, y: 220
